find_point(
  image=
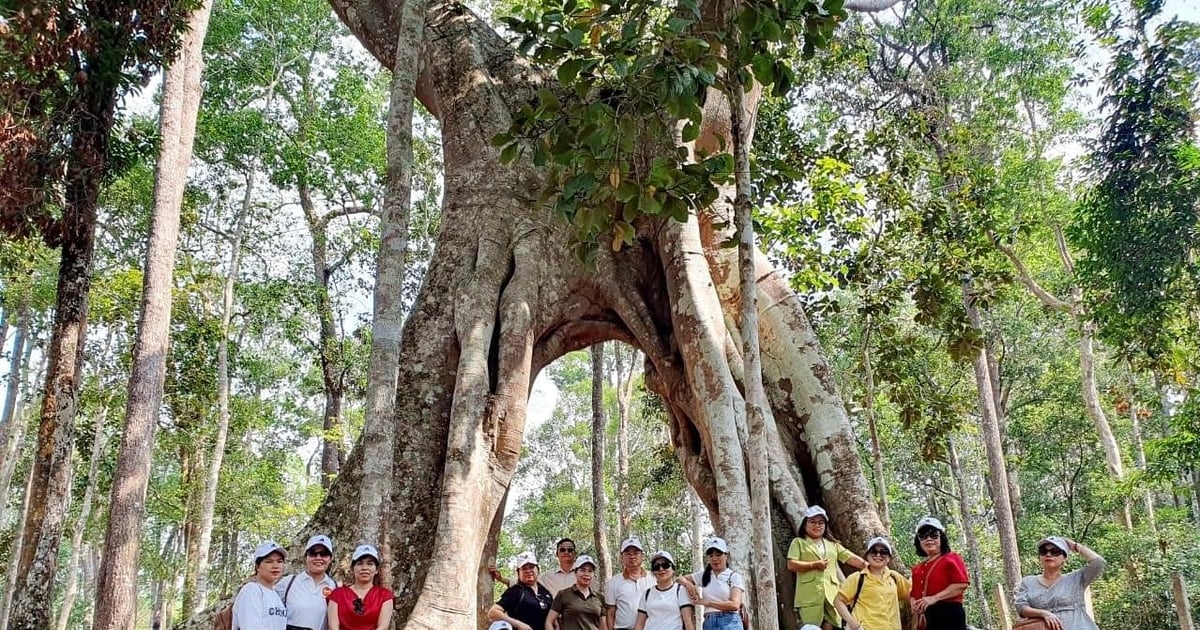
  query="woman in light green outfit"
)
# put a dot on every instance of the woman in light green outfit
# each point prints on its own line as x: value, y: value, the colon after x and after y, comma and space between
x: 814, y: 557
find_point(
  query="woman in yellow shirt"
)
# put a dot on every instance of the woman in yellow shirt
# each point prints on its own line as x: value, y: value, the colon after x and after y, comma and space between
x: 870, y: 599
x: 814, y: 556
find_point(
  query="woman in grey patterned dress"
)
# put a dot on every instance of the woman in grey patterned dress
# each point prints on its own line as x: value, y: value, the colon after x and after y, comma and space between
x: 1054, y: 596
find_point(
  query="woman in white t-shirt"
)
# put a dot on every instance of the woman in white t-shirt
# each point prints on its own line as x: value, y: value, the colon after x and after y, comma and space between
x: 665, y: 605
x: 257, y: 606
x: 723, y: 588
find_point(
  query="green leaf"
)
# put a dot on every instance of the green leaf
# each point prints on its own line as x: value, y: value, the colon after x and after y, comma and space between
x: 569, y: 70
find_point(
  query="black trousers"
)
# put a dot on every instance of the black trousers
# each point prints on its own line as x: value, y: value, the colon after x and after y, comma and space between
x: 946, y: 616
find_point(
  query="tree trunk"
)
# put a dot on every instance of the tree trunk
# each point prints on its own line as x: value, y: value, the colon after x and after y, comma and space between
x: 881, y: 500
x: 1139, y: 452
x: 191, y: 466
x: 624, y: 409
x: 12, y: 431
x: 993, y: 443
x: 116, y: 592
x: 504, y: 297
x: 378, y: 434
x: 763, y: 601
x: 328, y: 345
x: 212, y: 480
x: 10, y: 575
x: 599, y: 419
x: 962, y: 488
x: 50, y: 496
x: 78, y: 548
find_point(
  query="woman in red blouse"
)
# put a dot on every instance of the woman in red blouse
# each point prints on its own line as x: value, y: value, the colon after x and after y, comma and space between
x: 364, y: 604
x: 938, y: 581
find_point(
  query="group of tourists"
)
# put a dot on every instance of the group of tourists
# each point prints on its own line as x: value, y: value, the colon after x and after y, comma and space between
x: 568, y: 598
x: 312, y: 600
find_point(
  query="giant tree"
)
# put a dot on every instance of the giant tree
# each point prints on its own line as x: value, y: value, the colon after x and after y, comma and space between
x: 505, y: 295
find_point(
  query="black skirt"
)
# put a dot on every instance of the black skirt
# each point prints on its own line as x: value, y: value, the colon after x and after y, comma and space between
x: 946, y: 616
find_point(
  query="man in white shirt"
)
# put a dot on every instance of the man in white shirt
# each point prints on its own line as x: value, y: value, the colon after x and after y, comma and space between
x: 304, y: 593
x: 624, y: 590
x: 556, y: 579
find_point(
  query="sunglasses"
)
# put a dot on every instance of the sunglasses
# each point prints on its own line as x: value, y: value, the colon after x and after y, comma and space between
x: 879, y: 552
x: 359, y: 607
x: 566, y: 550
x: 660, y: 566
x: 1051, y: 551
x: 931, y: 534
x: 318, y: 554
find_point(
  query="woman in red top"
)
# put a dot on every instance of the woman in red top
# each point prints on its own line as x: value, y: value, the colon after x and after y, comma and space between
x: 938, y: 581
x: 364, y: 604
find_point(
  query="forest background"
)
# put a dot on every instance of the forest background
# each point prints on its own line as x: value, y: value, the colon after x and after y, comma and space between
x: 1081, y: 264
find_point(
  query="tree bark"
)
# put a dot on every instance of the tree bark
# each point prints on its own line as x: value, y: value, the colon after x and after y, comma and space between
x: 599, y: 419
x: 116, y: 592
x: 1139, y: 452
x: 50, y: 494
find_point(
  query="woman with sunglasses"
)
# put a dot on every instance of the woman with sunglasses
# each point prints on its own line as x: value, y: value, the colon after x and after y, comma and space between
x: 814, y: 556
x: 363, y: 604
x: 938, y: 581
x: 304, y: 593
x: 723, y: 588
x: 1056, y: 598
x: 665, y: 605
x: 870, y: 599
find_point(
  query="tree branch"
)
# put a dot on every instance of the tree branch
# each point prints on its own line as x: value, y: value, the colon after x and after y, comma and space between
x: 1046, y: 298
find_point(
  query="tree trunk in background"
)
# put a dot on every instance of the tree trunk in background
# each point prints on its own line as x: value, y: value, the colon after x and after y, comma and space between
x: 10, y: 577
x: 993, y: 443
x: 78, y: 548
x: 998, y: 401
x: 881, y: 499
x: 116, y: 592
x: 387, y: 321
x: 12, y: 431
x: 1091, y: 401
x: 329, y: 348
x: 208, y: 503
x: 963, y: 489
x: 599, y: 419
x: 763, y: 600
x: 191, y: 468
x: 624, y: 409
x: 50, y: 497
x: 1139, y: 452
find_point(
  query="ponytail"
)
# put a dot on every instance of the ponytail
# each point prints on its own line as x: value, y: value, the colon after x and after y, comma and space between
x: 707, y: 577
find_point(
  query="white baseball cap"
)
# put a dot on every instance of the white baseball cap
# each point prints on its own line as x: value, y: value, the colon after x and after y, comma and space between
x: 582, y: 560
x: 632, y: 541
x: 1057, y: 541
x: 364, y: 550
x: 809, y: 626
x: 929, y: 521
x: 816, y: 510
x: 666, y: 555
x: 319, y: 539
x: 880, y: 540
x: 500, y: 625
x: 267, y: 548
x: 524, y: 558
x: 716, y: 543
